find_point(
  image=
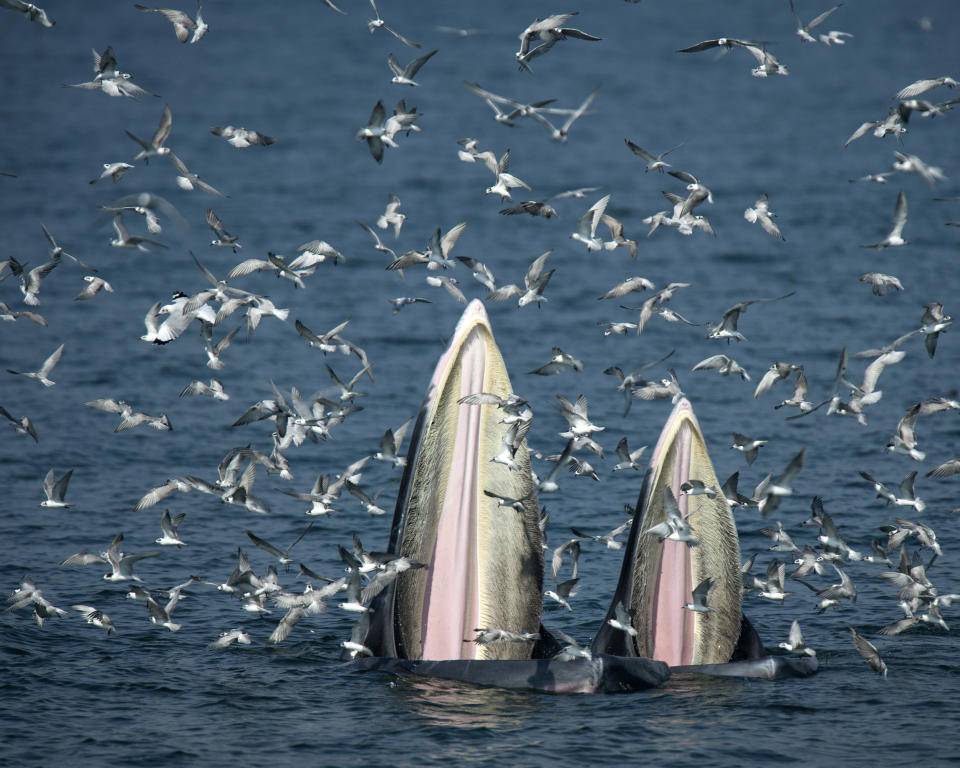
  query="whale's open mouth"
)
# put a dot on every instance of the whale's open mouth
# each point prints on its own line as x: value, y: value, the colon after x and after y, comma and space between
x: 660, y: 573
x: 484, y: 561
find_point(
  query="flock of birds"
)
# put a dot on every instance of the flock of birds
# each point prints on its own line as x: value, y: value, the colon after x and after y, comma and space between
x: 906, y: 555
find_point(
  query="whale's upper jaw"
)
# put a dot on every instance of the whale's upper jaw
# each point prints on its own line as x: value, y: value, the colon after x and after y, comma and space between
x: 657, y: 577
x: 484, y: 562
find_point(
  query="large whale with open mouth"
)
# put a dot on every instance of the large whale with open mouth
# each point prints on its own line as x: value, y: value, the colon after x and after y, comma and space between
x: 484, y: 558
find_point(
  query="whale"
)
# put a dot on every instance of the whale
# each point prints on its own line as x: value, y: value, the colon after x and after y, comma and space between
x: 473, y: 524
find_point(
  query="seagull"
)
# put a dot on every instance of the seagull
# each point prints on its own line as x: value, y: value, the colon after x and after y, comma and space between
x: 507, y: 501
x: 155, y: 148
x: 514, y: 407
x: 560, y: 134
x: 378, y: 243
x: 905, y: 495
x: 56, y: 251
x: 373, y: 131
x: 387, y: 574
x: 121, y: 565
x: 505, y: 181
x: 694, y: 487
x: 115, y: 171
x: 110, y: 81
x: 125, y: 240
x: 628, y: 458
x: 776, y: 372
x: 727, y: 328
x: 31, y: 11
x: 274, y: 262
x: 780, y: 538
x: 771, y: 494
x: 749, y: 445
x: 28, y: 594
x: 533, y: 207
x: 905, y: 439
x: 563, y: 591
x: 576, y: 416
x: 876, y: 178
x: 550, y: 30
x: 188, y: 180
x: 214, y: 389
x: 43, y: 375
x: 241, y: 138
x: 665, y: 388
x: 168, y: 527
x: 933, y: 323
x: 151, y: 219
x: 723, y: 365
x: 912, y: 164
x: 795, y: 642
x: 486, y: 635
x: 391, y: 216
x: 623, y: 619
x: 534, y: 281
x: 579, y: 193
x: 30, y: 281
x: 869, y: 652
x: 587, y: 225
x: 767, y: 63
x: 881, y: 283
x: 654, y: 162
x: 160, y: 614
x: 359, y: 632
x: 93, y: 287
x: 573, y: 547
x: 675, y: 527
x: 609, y: 540
x: 227, y: 638
x: 895, y: 236
x: 405, y: 75
x: 560, y: 362
x: 922, y: 86
x: 128, y: 417
x: 55, y: 490
x: 699, y: 595
x: 834, y: 37
x: 378, y: 23
x: 773, y: 588
x: 630, y: 285
x: 223, y: 238
x: 803, y: 30
x: 761, y: 212
x: 946, y: 469
x: 185, y: 28
x: 390, y: 444
x: 283, y: 556
x: 96, y: 617
x: 23, y: 425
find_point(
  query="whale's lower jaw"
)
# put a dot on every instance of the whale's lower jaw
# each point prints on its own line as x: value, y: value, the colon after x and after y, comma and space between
x: 484, y: 562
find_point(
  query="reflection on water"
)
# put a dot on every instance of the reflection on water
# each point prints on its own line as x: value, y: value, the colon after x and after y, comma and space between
x: 461, y: 705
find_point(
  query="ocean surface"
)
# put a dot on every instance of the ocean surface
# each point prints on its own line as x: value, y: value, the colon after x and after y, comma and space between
x: 309, y: 77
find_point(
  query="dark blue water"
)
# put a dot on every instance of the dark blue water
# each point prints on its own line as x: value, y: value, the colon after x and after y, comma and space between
x: 309, y: 77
